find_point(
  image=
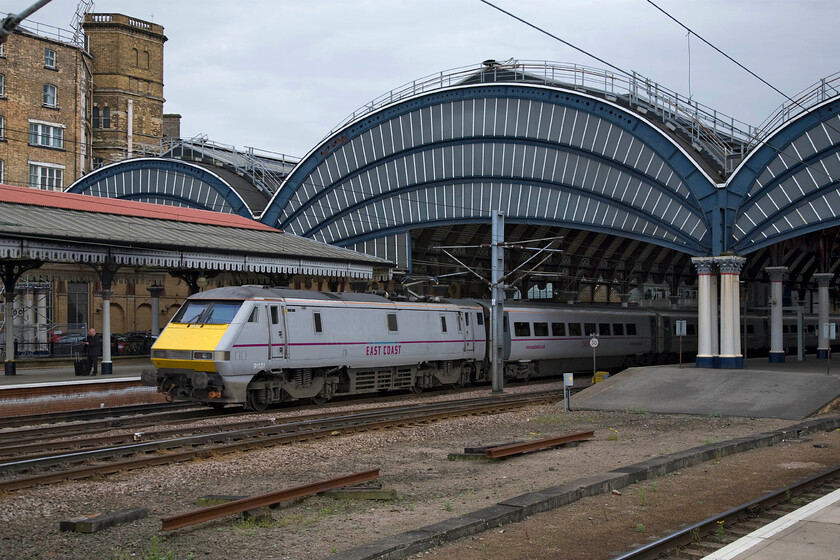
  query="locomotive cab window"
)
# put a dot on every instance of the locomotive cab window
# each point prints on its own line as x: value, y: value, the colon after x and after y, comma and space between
x: 618, y: 329
x: 558, y: 329
x: 207, y: 312
x: 317, y: 319
x: 521, y: 328
x: 540, y: 329
x: 392, y: 322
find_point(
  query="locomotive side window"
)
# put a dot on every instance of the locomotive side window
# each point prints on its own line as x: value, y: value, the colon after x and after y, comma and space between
x: 540, y: 329
x: 558, y: 329
x: 505, y: 327
x: 275, y: 314
x: 318, y: 328
x: 618, y: 329
x: 467, y: 318
x: 442, y: 323
x: 691, y: 329
x: 574, y: 329
x: 392, y: 322
x: 604, y: 329
x: 631, y: 329
x: 254, y: 317
x: 479, y: 318
x: 521, y: 329
x: 589, y: 328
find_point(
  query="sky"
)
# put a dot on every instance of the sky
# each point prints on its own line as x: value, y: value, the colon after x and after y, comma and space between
x: 279, y: 75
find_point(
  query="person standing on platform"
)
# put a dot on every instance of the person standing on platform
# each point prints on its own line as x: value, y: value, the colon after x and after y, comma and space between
x: 93, y: 349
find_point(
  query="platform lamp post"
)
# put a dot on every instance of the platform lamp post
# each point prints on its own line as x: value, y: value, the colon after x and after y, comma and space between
x: 497, y: 297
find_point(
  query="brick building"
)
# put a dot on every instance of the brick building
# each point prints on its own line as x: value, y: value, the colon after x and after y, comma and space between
x: 127, y: 73
x: 45, y: 94
x: 69, y: 105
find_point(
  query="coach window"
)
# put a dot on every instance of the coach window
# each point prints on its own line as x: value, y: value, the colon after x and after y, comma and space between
x: 589, y: 329
x: 540, y: 329
x: 558, y: 329
x: 604, y: 329
x: 521, y: 329
x: 574, y: 329
x: 691, y: 329
x: 618, y: 329
x: 392, y: 322
x: 460, y: 328
x: 442, y: 324
x: 317, y: 318
x: 631, y: 329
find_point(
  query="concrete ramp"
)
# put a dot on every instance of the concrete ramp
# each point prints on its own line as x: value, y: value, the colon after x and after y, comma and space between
x: 790, y: 391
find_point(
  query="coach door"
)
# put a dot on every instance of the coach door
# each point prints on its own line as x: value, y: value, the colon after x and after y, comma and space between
x: 469, y: 333
x: 276, y: 332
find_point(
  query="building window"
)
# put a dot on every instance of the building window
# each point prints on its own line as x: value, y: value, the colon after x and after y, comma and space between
x: 49, y: 59
x: 43, y: 134
x: 50, y: 96
x: 2, y: 127
x: 1, y: 171
x: 46, y: 177
x: 77, y: 305
x: 106, y: 117
x: 96, y: 117
x: 2, y: 50
x: 2, y: 85
x: 98, y: 162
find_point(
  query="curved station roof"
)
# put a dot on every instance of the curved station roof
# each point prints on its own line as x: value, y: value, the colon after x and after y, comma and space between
x: 636, y: 178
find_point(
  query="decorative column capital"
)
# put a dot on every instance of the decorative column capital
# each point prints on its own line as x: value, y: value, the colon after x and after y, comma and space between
x: 703, y: 264
x: 730, y: 265
x: 155, y: 291
x: 776, y: 273
x: 107, y: 294
x: 823, y: 279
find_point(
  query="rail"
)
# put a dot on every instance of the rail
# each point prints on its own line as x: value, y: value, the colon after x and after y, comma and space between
x: 724, y: 138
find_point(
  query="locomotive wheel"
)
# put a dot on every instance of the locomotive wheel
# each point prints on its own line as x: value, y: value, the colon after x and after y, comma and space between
x: 319, y: 399
x: 254, y: 403
x: 416, y: 388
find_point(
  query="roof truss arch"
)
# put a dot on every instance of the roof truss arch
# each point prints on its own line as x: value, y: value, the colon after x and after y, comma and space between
x: 791, y: 184
x: 166, y: 181
x: 561, y: 143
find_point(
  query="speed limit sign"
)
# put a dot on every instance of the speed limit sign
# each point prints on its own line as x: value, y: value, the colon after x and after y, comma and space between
x: 593, y: 342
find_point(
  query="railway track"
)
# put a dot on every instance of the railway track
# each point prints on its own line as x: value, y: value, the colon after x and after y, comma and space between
x: 714, y: 533
x: 88, y: 415
x: 22, y: 471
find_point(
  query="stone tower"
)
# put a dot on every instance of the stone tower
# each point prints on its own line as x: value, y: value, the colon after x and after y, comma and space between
x: 127, y: 71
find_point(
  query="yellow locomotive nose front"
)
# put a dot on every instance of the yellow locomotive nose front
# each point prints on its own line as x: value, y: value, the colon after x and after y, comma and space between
x: 188, y: 346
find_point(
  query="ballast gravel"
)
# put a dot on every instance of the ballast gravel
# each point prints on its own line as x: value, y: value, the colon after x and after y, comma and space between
x: 430, y: 488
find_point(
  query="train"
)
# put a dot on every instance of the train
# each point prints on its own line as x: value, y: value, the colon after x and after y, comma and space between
x: 259, y: 346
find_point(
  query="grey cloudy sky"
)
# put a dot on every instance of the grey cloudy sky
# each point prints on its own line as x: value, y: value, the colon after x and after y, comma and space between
x: 280, y: 74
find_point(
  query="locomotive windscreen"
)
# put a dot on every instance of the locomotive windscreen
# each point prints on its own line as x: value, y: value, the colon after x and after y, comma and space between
x: 207, y: 312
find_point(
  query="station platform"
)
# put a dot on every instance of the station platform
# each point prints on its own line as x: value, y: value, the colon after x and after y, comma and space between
x: 790, y: 391
x: 811, y: 532
x: 61, y: 371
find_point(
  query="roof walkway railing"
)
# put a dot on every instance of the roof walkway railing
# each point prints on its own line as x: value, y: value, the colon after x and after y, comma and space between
x: 265, y: 169
x: 724, y: 138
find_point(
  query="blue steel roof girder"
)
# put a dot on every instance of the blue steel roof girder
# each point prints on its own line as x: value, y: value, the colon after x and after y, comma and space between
x: 776, y: 146
x: 228, y: 194
x: 744, y: 246
x: 688, y: 244
x: 690, y: 174
x: 626, y: 169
